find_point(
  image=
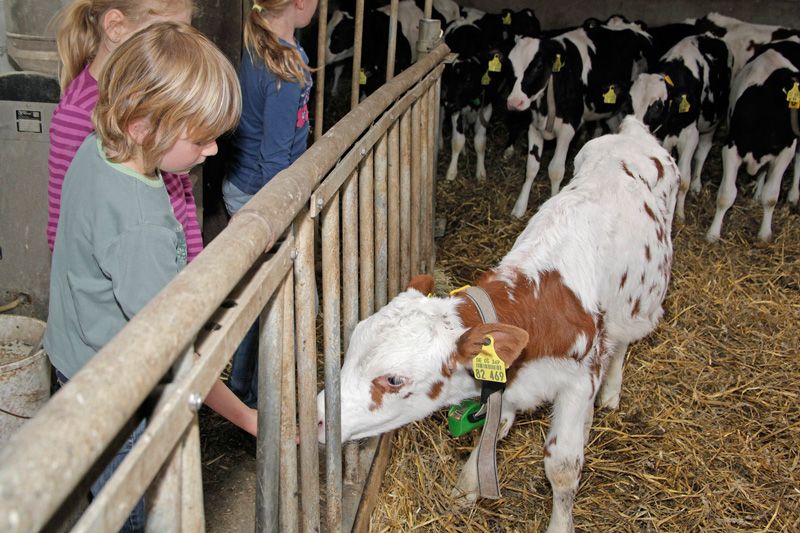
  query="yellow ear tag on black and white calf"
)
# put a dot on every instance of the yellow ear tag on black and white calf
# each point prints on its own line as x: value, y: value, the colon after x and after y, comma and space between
x: 495, y: 65
x: 684, y: 105
x: 610, y: 96
x: 793, y: 96
x: 487, y: 365
x: 507, y: 19
x: 486, y: 80
x: 558, y: 64
x: 362, y: 77
x: 668, y: 80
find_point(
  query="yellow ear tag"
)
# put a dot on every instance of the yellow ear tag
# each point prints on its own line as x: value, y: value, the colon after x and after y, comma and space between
x: 668, y: 80
x: 558, y: 65
x: 495, y: 65
x: 793, y: 96
x: 610, y: 97
x: 683, y: 105
x: 362, y: 77
x: 486, y: 80
x: 456, y: 291
x: 487, y: 365
x: 507, y: 19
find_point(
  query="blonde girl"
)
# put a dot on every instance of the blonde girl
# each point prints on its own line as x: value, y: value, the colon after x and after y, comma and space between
x: 88, y: 33
x: 273, y: 131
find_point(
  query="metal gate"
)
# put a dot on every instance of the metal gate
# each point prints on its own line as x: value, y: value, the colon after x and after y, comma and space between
x: 369, y: 183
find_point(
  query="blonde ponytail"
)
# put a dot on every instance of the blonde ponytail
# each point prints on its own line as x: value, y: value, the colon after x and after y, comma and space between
x: 284, y: 61
x: 77, y: 39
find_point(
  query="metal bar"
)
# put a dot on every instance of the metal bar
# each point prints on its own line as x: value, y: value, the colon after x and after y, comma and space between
x: 416, y: 208
x: 381, y: 223
x: 268, y: 449
x: 333, y: 181
x: 332, y: 342
x: 366, y: 240
x: 306, y: 335
x: 433, y: 110
x: 192, y: 515
x: 322, y: 47
x: 357, y: 43
x: 428, y: 8
x: 424, y: 182
x: 405, y: 197
x: 288, y: 428
x: 393, y: 211
x: 373, y: 483
x: 392, y: 40
x: 350, y: 302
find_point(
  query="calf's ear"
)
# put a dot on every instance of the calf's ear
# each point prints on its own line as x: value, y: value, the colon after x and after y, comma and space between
x: 423, y: 283
x: 509, y: 341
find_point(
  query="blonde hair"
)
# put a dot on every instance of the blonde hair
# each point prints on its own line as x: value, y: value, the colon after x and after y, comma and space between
x: 284, y: 61
x: 177, y: 80
x: 80, y: 32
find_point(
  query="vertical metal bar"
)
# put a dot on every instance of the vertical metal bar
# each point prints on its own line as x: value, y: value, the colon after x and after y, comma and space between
x: 268, y: 457
x: 350, y: 299
x: 434, y: 150
x: 416, y: 208
x: 428, y: 8
x: 392, y: 40
x: 192, y: 515
x: 381, y: 222
x: 424, y: 183
x: 288, y: 468
x: 366, y: 242
x: 165, y: 496
x: 332, y: 342
x: 405, y: 198
x: 322, y: 47
x: 393, y: 211
x: 306, y: 335
x: 357, y: 42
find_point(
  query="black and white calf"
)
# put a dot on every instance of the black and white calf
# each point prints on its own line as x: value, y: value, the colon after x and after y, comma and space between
x: 580, y: 75
x: 683, y: 101
x: 761, y: 132
x: 340, y: 35
x: 473, y: 81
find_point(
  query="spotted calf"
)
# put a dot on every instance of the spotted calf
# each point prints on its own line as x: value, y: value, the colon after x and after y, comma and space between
x: 587, y: 276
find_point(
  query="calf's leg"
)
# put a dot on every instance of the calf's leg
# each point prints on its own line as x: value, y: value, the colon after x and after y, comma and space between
x: 558, y: 164
x: 612, y: 382
x: 700, y: 155
x: 535, y: 143
x: 794, y: 191
x: 457, y: 144
x: 480, y: 141
x: 686, y: 147
x: 727, y: 190
x: 772, y: 188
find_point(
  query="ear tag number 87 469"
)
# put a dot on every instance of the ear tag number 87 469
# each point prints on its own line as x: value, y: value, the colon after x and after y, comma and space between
x: 487, y: 365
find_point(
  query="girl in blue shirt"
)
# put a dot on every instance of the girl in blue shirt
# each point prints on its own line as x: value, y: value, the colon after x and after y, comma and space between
x: 273, y: 131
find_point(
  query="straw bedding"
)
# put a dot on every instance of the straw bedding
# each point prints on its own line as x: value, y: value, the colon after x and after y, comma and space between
x: 708, y: 430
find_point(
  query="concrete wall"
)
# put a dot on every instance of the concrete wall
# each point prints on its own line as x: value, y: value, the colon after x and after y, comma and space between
x: 563, y: 13
x: 5, y: 66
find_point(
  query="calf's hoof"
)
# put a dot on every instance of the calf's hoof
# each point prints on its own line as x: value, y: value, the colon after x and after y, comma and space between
x: 463, y: 499
x: 712, y: 237
x: 608, y: 400
x: 508, y: 153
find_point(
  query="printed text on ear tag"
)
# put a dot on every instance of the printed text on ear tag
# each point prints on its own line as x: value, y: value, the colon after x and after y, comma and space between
x: 487, y: 365
x: 610, y: 97
x: 793, y: 96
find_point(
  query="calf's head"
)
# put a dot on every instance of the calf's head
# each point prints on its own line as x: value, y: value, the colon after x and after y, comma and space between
x: 410, y: 358
x: 532, y: 61
x: 650, y: 100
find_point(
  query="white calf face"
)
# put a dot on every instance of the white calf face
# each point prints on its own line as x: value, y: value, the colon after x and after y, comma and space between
x: 522, y: 58
x: 393, y: 370
x: 649, y: 99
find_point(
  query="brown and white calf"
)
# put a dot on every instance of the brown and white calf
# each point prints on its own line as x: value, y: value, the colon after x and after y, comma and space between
x: 586, y: 277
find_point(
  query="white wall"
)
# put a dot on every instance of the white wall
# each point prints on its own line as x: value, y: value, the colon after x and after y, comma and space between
x: 4, y: 64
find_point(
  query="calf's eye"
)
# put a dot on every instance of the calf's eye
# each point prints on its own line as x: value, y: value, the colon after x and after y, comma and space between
x: 395, y: 381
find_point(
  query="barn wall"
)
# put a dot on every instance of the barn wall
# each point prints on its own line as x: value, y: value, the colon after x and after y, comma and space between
x: 562, y: 13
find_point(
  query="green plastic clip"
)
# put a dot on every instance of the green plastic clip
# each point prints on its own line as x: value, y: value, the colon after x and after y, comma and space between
x: 461, y: 417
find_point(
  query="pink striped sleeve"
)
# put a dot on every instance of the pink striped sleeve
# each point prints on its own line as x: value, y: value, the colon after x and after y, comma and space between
x: 181, y: 197
x: 69, y: 127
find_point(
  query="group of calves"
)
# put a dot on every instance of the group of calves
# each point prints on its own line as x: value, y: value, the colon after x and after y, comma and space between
x: 681, y: 80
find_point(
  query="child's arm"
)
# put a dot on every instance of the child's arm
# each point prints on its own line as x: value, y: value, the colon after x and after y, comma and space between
x: 279, y: 117
x: 181, y: 196
x: 69, y: 127
x: 226, y: 403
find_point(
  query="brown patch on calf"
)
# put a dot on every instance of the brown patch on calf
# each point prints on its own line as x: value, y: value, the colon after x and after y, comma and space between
x: 626, y: 170
x: 436, y: 389
x: 647, y: 255
x: 423, y: 283
x: 548, y: 310
x: 649, y: 212
x: 376, y: 391
x: 659, y: 167
x: 551, y: 442
x: 635, y: 310
x: 623, y: 280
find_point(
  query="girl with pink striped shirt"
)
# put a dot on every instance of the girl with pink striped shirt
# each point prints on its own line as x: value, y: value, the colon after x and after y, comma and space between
x: 89, y: 31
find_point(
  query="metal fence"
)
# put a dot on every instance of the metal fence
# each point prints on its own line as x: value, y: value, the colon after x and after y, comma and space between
x: 368, y: 182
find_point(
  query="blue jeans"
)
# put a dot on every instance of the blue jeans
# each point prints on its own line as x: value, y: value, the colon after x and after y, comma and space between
x: 244, y: 371
x: 135, y: 522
